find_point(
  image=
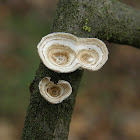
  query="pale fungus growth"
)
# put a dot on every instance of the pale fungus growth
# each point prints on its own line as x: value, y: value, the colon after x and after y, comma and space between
x: 57, y: 52
x: 92, y: 54
x: 54, y: 93
x: 64, y: 52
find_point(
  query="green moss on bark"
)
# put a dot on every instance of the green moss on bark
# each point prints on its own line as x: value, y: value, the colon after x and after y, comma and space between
x: 109, y: 20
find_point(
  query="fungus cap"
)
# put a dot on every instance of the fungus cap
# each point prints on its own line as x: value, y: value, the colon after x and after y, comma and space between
x: 64, y: 52
x: 54, y: 93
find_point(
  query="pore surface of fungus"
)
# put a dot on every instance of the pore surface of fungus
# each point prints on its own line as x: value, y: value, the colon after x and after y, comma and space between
x: 54, y: 93
x: 64, y: 52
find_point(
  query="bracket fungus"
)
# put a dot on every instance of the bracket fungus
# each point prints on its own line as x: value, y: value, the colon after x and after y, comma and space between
x: 92, y: 54
x: 64, y: 52
x: 54, y: 93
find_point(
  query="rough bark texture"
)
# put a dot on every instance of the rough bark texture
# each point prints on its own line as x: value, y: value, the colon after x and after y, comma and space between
x: 45, y: 121
x: 105, y: 19
x: 109, y: 20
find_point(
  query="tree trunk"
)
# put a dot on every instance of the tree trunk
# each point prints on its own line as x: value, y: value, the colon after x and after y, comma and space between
x: 105, y: 19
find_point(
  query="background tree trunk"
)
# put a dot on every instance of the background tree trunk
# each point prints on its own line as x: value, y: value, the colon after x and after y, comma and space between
x: 107, y: 20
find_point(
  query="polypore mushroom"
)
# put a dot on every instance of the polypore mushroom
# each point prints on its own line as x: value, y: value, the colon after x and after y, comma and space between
x: 92, y: 53
x: 64, y: 52
x: 54, y: 93
x: 57, y: 52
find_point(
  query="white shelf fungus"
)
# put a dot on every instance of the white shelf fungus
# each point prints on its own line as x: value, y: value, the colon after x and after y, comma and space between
x: 64, y: 52
x: 54, y: 93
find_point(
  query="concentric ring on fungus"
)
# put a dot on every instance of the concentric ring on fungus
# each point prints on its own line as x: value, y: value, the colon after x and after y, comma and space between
x: 64, y: 52
x: 88, y: 58
x: 60, y: 55
x: 54, y: 93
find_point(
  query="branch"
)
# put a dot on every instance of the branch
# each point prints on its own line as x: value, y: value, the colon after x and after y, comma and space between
x: 106, y: 19
x: 45, y: 121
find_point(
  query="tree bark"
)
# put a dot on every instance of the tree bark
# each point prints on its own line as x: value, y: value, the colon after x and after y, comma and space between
x: 105, y: 19
x: 109, y: 20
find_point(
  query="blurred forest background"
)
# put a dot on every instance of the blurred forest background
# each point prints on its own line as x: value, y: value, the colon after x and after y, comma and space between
x: 108, y: 101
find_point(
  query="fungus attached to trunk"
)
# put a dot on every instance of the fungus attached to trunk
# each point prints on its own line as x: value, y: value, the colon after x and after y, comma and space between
x: 92, y: 53
x: 64, y: 52
x: 54, y: 93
